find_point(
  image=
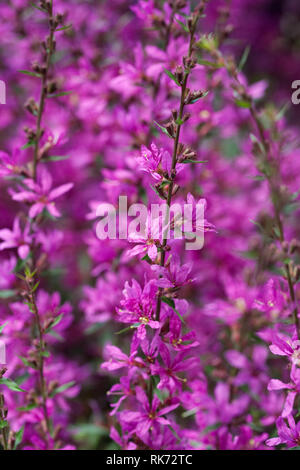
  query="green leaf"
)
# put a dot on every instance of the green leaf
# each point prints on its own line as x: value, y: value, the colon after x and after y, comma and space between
x: 184, y: 26
x: 35, y: 286
x: 63, y: 28
x: 243, y: 104
x: 194, y: 161
x: 159, y: 395
x: 157, y: 192
x: 5, y: 294
x: 171, y: 303
x: 212, y: 427
x: 29, y: 144
x: 62, y: 388
x: 31, y: 74
x: 188, y: 413
x: 205, y: 93
x: 163, y: 129
x: 27, y: 363
x: 45, y: 353
x: 282, y: 111
x: 20, y: 265
x: 56, y: 321
x: 56, y: 158
x: 172, y: 76
x: 208, y: 63
x: 135, y: 325
x: 174, y: 433
x: 255, y: 140
x: 11, y: 385
x: 30, y: 407
x: 179, y: 122
x: 37, y: 7
x: 254, y: 222
x: 147, y: 258
x: 244, y: 58
x: 3, y: 424
x: 3, y: 326
x: 62, y: 93
x: 19, y: 437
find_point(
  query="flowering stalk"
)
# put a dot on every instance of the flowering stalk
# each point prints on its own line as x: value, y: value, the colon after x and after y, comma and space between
x: 44, y: 70
x: 275, y: 192
x: 3, y: 422
x: 185, y: 98
x: 31, y: 282
x: 275, y: 195
x: 31, y: 287
x: 156, y: 377
x: 36, y: 191
x: 266, y: 162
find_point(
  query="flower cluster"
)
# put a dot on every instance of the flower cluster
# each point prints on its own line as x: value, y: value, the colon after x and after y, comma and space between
x: 137, y: 342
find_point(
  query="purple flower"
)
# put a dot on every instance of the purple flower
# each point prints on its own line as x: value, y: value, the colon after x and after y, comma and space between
x: 10, y: 164
x: 40, y: 194
x: 150, y: 415
x: 178, y: 341
x: 174, y: 275
x: 138, y: 307
x: 16, y: 238
x: 271, y: 299
x: 293, y: 387
x: 171, y: 367
x: 116, y: 359
x: 287, y: 434
x: 156, y: 162
x: 285, y: 346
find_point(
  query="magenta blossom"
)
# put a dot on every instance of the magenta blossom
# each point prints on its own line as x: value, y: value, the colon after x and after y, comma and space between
x: 10, y: 164
x: 116, y: 359
x: 174, y: 275
x: 293, y: 388
x: 287, y: 434
x: 172, y: 366
x: 285, y: 346
x: 149, y: 416
x: 16, y: 238
x: 178, y: 341
x: 138, y: 307
x: 155, y: 161
x: 40, y: 194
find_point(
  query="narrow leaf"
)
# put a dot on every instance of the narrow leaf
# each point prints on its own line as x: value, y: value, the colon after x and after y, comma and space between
x: 244, y: 58
x: 243, y: 104
x: 172, y: 76
x: 56, y: 158
x: 63, y: 28
x: 11, y: 385
x: 62, y: 388
x: 171, y: 304
x: 31, y: 74
x: 5, y: 294
x: 3, y: 326
x: 19, y: 437
x: 163, y: 129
